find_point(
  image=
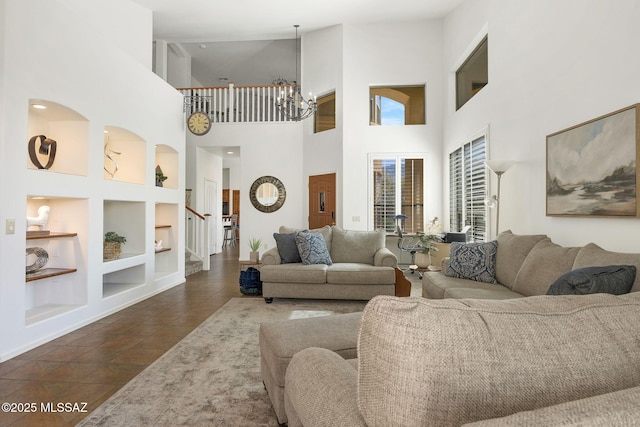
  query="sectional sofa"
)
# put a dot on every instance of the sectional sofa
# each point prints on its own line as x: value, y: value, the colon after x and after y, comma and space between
x: 470, y: 353
x: 525, y: 265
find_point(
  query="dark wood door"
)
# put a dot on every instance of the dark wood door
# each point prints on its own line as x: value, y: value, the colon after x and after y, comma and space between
x: 236, y: 208
x: 322, y: 200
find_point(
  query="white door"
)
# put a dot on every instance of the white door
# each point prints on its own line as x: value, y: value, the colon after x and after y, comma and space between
x: 210, y: 208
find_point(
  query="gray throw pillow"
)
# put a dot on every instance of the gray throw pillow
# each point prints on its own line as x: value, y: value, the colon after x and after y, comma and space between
x: 473, y: 261
x: 312, y: 248
x: 610, y: 279
x: 286, y: 244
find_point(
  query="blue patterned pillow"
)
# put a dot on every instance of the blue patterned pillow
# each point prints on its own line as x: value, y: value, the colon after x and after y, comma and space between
x: 312, y: 248
x: 473, y: 261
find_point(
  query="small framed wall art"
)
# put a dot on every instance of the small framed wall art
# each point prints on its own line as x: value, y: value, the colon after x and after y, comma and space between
x: 592, y: 167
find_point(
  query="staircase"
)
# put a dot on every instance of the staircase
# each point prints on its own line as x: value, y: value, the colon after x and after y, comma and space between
x: 191, y: 265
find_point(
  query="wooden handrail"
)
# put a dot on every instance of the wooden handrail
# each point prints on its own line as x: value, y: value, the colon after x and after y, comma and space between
x: 195, y: 213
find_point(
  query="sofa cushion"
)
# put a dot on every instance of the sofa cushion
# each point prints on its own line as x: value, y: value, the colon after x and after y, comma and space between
x: 495, y: 292
x: 287, y: 248
x: 593, y: 255
x: 449, y: 362
x: 294, y: 273
x: 512, y: 251
x: 312, y: 248
x: 619, y: 408
x: 436, y: 285
x: 355, y: 246
x: 544, y: 264
x: 325, y: 231
x: 612, y: 279
x: 473, y: 261
x: 347, y: 273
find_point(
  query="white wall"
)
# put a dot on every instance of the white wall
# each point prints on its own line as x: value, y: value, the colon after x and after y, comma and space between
x: 123, y: 23
x: 266, y: 149
x: 85, y: 71
x: 552, y: 64
x: 389, y: 54
x: 322, y: 71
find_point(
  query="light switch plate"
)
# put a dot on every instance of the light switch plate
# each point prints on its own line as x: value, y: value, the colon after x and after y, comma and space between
x: 10, y: 226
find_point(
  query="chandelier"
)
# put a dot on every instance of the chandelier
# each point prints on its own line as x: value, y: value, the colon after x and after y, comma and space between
x: 291, y: 104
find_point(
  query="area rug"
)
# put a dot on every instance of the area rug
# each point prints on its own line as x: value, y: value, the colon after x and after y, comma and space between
x: 211, y: 377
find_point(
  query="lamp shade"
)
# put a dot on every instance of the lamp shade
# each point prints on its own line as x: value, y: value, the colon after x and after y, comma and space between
x: 499, y: 166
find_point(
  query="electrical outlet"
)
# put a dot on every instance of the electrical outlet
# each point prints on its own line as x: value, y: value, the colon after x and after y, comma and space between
x: 265, y: 246
x: 10, y: 227
x: 355, y: 218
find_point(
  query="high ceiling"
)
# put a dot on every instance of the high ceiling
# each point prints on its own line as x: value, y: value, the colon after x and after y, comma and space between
x: 215, y: 21
x: 222, y: 38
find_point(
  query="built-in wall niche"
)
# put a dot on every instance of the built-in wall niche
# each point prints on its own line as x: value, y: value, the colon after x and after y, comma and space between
x: 123, y: 280
x: 60, y: 285
x: 124, y: 156
x: 57, y: 139
x: 128, y: 220
x: 167, y: 160
x: 166, y: 236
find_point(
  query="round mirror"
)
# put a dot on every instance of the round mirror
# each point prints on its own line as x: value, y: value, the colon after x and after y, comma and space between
x: 267, y: 194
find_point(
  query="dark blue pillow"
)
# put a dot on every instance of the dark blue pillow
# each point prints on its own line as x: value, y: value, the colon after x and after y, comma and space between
x: 611, y: 279
x: 473, y: 261
x: 286, y: 244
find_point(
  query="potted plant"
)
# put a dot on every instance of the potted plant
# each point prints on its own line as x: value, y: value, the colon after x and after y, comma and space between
x: 113, y: 245
x: 427, y: 239
x: 160, y: 176
x: 254, y: 244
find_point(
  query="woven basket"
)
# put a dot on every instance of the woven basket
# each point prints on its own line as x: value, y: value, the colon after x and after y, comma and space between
x: 111, y: 250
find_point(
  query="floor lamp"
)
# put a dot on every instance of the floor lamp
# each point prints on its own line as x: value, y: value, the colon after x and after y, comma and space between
x: 499, y: 167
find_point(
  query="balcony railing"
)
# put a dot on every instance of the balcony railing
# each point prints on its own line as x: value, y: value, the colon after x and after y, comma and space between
x: 236, y: 104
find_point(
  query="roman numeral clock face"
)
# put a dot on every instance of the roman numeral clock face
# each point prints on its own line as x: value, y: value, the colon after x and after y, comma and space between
x: 199, y: 123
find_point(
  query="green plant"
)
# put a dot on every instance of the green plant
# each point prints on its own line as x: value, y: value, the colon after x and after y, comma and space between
x: 427, y: 239
x: 112, y: 236
x: 160, y: 176
x: 255, y: 243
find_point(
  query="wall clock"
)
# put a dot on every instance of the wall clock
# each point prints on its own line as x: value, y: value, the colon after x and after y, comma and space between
x: 199, y: 123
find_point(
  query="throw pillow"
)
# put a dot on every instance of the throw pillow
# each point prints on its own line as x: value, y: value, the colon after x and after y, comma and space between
x: 611, y: 279
x: 312, y: 248
x: 286, y: 244
x: 473, y: 261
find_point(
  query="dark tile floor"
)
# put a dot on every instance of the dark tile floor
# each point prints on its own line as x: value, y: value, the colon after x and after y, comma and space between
x: 92, y: 363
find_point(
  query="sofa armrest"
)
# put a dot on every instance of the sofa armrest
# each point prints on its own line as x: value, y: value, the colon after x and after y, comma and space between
x: 445, y: 263
x: 385, y: 258
x: 271, y: 257
x: 321, y: 389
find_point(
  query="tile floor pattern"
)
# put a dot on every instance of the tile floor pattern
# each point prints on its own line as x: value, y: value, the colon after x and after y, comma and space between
x: 92, y: 363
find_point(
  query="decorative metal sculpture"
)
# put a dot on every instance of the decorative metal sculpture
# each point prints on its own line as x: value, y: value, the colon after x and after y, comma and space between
x: 47, y: 147
x: 42, y: 257
x: 108, y: 154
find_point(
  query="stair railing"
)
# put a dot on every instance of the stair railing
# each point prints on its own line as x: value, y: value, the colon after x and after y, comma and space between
x: 197, y: 236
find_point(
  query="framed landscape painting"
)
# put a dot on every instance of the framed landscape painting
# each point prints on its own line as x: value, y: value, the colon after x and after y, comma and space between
x: 592, y: 167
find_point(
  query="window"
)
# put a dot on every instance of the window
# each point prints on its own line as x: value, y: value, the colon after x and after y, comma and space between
x: 468, y: 189
x: 396, y: 105
x: 398, y: 188
x: 473, y: 74
x: 325, y: 117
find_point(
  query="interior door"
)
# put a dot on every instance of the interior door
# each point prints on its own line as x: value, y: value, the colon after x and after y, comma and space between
x: 236, y: 209
x: 322, y: 200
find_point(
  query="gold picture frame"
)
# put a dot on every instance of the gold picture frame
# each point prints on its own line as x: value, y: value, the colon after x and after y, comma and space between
x: 592, y: 167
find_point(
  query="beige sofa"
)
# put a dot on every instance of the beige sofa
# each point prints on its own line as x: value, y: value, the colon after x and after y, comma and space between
x: 539, y: 361
x: 362, y: 268
x: 525, y: 265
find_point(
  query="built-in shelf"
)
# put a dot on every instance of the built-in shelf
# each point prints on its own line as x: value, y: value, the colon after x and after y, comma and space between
x: 123, y: 280
x: 47, y: 311
x: 49, y: 272
x: 162, y: 250
x: 167, y: 159
x: 51, y: 235
x: 124, y: 156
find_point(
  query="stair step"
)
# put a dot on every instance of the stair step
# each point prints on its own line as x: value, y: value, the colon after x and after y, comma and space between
x: 191, y: 267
